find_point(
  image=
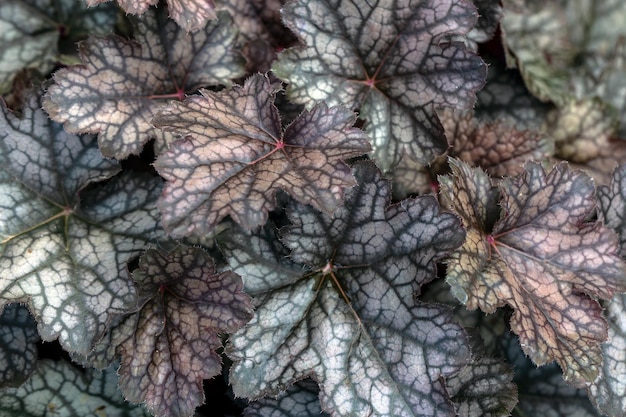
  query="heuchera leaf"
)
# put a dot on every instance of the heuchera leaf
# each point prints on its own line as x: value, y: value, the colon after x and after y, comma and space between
x: 121, y: 83
x: 29, y: 32
x: 236, y: 156
x: 28, y: 39
x: 168, y: 344
x: 392, y: 63
x: 349, y: 320
x: 569, y: 49
x: 58, y: 389
x: 585, y: 134
x: 497, y: 147
x: 608, y: 392
x: 484, y: 388
x: 300, y: 400
x: 18, y: 345
x: 542, y: 391
x: 63, y: 255
x: 542, y: 258
x: 191, y: 15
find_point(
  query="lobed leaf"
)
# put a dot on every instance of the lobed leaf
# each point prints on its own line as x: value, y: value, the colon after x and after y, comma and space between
x: 59, y: 389
x: 484, y: 388
x: 301, y: 400
x: 122, y: 84
x: 30, y: 33
x: 392, y: 64
x: 608, y: 392
x: 235, y: 157
x: 63, y: 255
x: 542, y: 391
x: 18, y: 345
x: 542, y: 257
x: 168, y: 344
x: 191, y: 15
x: 349, y: 320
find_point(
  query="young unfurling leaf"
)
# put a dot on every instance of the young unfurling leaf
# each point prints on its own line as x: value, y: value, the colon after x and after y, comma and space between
x: 542, y: 257
x: 235, y: 156
x: 391, y: 61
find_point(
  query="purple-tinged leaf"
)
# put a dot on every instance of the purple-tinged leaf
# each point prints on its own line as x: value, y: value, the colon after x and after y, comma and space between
x: 18, y: 345
x: 122, y: 83
x: 391, y: 62
x: 349, y: 320
x: 542, y: 257
x: 168, y: 344
x: 59, y: 389
x: 63, y: 255
x: 235, y: 156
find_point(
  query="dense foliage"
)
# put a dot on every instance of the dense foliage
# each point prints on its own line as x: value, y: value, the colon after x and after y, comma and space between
x: 336, y: 207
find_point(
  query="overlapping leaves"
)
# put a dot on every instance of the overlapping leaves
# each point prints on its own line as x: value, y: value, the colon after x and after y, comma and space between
x: 191, y: 15
x: 59, y: 389
x: 342, y: 310
x: 18, y: 345
x: 389, y: 61
x: 63, y: 255
x: 235, y: 156
x: 608, y: 392
x: 542, y: 257
x: 121, y: 84
x: 168, y: 344
x: 31, y: 33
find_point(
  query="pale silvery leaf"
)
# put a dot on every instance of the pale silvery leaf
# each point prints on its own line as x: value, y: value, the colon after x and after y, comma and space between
x: 390, y: 61
x: 349, y: 319
x: 18, y: 345
x: 58, y: 389
x: 63, y: 255
x: 122, y: 83
x: 301, y: 400
x: 30, y: 32
x: 608, y: 392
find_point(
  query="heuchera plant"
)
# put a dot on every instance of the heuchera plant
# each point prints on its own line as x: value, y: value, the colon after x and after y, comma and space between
x: 313, y: 207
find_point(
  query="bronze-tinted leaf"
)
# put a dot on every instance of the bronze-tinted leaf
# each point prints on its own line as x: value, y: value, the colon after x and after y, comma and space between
x: 122, y: 83
x: 168, y: 344
x: 235, y: 156
x: 542, y: 257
